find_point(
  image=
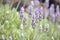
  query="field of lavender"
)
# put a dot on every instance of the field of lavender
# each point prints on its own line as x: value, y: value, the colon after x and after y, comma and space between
x: 37, y: 23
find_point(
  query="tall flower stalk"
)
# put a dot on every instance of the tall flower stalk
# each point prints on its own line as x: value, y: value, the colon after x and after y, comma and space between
x: 33, y: 21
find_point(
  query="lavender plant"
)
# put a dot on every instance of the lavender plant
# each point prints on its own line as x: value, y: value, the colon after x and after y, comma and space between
x: 13, y: 28
x: 41, y: 14
x: 33, y: 20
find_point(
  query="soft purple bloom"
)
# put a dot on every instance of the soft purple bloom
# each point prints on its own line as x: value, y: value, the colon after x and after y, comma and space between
x: 24, y: 21
x: 36, y: 2
x: 37, y: 14
x: 21, y: 12
x: 53, y: 17
x: 57, y: 9
x: 40, y: 17
x: 58, y: 17
x: 46, y: 4
x: 33, y: 20
x: 40, y: 14
x: 47, y: 1
x: 36, y: 11
x: 30, y: 9
x: 41, y: 11
x: 52, y: 9
x: 58, y: 14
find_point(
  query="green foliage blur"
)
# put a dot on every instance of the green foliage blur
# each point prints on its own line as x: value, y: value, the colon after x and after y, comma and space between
x: 12, y: 25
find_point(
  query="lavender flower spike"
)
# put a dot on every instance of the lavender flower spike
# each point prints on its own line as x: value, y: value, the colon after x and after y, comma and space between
x: 30, y: 9
x: 57, y: 9
x: 37, y: 14
x: 58, y: 14
x: 33, y: 21
x: 52, y: 8
x: 53, y: 18
x: 21, y: 12
x: 24, y: 21
x: 47, y: 1
x: 41, y: 14
x: 36, y: 2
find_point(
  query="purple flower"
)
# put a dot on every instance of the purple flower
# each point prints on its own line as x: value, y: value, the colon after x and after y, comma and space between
x: 41, y: 11
x: 57, y: 9
x: 41, y: 14
x: 36, y: 2
x: 21, y: 12
x: 47, y: 1
x: 24, y: 21
x: 53, y: 18
x: 52, y: 15
x: 58, y: 17
x: 37, y: 14
x: 33, y: 21
x: 52, y: 8
x: 58, y: 14
x: 30, y: 9
x: 36, y: 11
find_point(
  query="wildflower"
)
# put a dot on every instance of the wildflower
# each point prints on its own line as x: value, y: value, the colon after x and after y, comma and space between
x: 58, y: 17
x: 57, y: 9
x: 53, y: 18
x: 58, y: 14
x: 37, y: 14
x: 24, y: 21
x: 21, y: 12
x: 47, y: 1
x: 33, y: 20
x: 41, y: 14
x: 30, y: 9
x: 52, y: 15
x: 52, y: 9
